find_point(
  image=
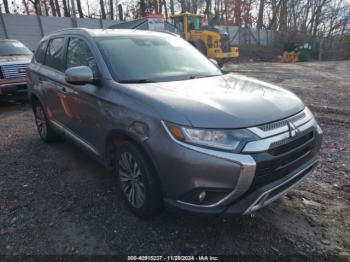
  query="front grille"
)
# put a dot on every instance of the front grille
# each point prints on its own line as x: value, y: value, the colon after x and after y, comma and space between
x: 278, y: 124
x: 283, y: 160
x: 14, y: 71
x: 283, y: 146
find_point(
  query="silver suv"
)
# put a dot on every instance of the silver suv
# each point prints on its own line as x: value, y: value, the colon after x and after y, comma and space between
x: 169, y: 123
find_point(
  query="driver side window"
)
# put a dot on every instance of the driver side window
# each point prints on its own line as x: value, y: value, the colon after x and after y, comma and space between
x: 79, y: 54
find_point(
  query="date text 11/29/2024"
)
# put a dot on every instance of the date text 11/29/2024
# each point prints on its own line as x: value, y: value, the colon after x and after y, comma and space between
x: 173, y: 258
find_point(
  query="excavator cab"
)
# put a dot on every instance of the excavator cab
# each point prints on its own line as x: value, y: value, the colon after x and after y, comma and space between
x: 206, y: 39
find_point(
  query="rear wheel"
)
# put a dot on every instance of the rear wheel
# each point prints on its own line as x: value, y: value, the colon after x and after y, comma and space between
x: 137, y: 181
x: 44, y: 129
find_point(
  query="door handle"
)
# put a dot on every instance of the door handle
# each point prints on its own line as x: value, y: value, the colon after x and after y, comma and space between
x: 64, y: 90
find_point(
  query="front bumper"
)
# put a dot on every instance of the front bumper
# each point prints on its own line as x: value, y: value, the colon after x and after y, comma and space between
x: 237, y: 183
x: 253, y: 201
x: 10, y: 88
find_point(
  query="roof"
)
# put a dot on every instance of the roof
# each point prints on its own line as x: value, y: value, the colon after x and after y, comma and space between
x: 104, y: 32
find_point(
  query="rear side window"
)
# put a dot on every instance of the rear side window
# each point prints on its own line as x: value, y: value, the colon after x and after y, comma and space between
x: 79, y: 54
x: 40, y: 53
x: 54, y: 54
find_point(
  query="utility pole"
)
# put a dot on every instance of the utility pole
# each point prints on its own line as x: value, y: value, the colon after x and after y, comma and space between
x: 74, y: 18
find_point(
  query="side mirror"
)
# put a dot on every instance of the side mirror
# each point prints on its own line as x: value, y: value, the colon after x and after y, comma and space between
x: 79, y: 75
x: 214, y: 62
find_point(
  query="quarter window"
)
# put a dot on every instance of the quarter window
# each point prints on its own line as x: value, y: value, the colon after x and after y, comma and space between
x: 40, y: 53
x: 79, y: 54
x: 54, y: 54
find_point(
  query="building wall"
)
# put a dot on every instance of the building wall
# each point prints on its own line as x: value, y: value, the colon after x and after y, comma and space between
x: 30, y: 29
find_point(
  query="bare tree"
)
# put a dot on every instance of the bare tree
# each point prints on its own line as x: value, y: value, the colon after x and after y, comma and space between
x: 52, y: 7
x: 80, y: 10
x: 37, y: 6
x: 120, y: 12
x: 102, y: 8
x: 58, y: 9
x: 65, y: 8
x: 111, y: 9
x: 172, y: 9
x: 6, y: 5
x: 261, y: 14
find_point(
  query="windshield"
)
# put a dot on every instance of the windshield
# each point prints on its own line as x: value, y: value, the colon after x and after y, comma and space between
x: 154, y: 59
x: 194, y: 23
x: 12, y: 48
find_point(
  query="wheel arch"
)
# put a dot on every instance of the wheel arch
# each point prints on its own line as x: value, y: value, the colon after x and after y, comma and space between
x: 115, y: 138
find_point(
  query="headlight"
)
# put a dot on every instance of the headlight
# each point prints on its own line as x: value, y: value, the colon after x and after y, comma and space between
x: 228, y: 140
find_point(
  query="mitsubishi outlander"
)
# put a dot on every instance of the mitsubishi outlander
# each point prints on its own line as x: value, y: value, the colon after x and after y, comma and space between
x: 174, y: 128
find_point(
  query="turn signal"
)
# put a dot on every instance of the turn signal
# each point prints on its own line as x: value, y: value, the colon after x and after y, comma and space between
x: 176, y: 132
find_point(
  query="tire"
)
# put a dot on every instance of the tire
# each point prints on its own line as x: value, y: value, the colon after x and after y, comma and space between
x: 137, y: 181
x: 199, y: 44
x: 45, y: 131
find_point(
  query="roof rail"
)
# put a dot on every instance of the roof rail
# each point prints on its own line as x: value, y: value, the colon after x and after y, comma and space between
x: 71, y: 29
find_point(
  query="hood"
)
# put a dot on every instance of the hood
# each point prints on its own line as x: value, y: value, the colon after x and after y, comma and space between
x: 227, y: 101
x: 15, y: 58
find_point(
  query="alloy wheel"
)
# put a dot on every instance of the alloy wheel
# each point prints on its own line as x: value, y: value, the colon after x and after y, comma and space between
x: 40, y: 121
x: 131, y: 179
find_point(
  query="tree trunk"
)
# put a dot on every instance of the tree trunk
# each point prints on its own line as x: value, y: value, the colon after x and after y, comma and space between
x: 45, y: 6
x: 111, y: 9
x: 80, y: 10
x: 53, y: 9
x: 65, y: 8
x: 172, y: 10
x: 142, y: 8
x: 165, y: 10
x: 261, y: 14
x: 120, y: 12
x: 26, y: 8
x: 58, y: 10
x: 6, y: 5
x: 37, y: 7
x: 283, y: 16
x: 160, y: 8
x: 103, y: 11
x: 207, y: 9
x: 155, y: 6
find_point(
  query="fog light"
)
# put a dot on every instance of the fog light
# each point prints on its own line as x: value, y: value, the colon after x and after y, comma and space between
x: 202, y: 195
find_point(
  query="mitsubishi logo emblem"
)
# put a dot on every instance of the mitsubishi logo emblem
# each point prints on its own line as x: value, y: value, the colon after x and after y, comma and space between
x: 293, y: 130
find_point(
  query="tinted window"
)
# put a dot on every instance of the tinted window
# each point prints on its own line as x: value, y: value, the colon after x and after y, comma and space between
x: 79, y: 54
x: 40, y: 53
x: 54, y: 54
x: 13, y: 48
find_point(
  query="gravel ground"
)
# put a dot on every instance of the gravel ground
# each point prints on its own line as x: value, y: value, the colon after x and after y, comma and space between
x: 54, y: 199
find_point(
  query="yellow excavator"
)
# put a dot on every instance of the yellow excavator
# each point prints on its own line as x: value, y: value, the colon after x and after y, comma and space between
x: 206, y: 39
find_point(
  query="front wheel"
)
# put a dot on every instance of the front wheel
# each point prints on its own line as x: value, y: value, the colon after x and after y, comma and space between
x: 137, y: 181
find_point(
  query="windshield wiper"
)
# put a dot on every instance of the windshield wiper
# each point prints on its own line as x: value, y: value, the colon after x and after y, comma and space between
x: 15, y: 54
x: 137, y: 81
x: 200, y: 76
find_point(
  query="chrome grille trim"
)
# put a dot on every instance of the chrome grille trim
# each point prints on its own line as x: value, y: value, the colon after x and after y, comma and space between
x: 281, y: 126
x: 280, y: 136
x: 14, y: 70
x: 278, y: 124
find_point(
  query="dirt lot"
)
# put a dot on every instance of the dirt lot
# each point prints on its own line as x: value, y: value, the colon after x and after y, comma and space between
x: 55, y: 200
